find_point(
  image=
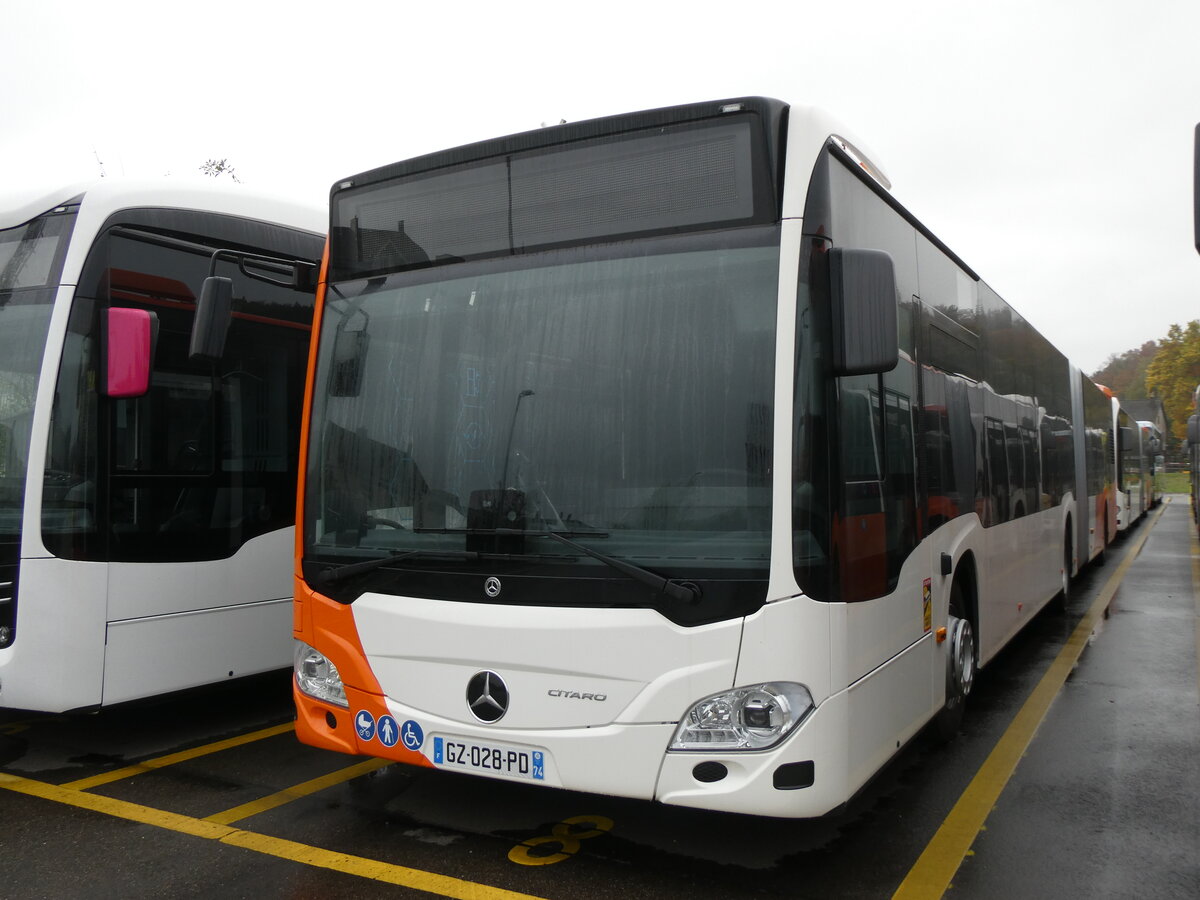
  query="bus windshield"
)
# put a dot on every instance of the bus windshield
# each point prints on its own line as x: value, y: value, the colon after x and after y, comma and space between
x: 622, y: 397
x: 28, y: 253
x: 29, y: 256
x: 22, y: 340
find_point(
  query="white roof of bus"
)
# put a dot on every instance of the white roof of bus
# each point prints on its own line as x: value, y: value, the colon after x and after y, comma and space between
x: 107, y: 195
x: 809, y: 128
x: 103, y: 197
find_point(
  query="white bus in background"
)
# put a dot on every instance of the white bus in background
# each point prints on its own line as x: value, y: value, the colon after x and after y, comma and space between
x: 1091, y: 409
x: 667, y: 455
x: 1193, y: 422
x: 1131, y: 468
x: 1152, y: 445
x: 147, y: 476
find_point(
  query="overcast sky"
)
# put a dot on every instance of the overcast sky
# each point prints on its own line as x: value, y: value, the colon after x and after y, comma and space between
x: 1049, y: 143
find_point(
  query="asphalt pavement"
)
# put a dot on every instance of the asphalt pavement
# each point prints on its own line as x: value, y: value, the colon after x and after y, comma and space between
x: 209, y: 794
x: 1106, y: 801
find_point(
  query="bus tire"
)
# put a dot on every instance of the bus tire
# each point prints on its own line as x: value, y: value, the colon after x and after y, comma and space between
x: 1058, y: 603
x: 961, y: 663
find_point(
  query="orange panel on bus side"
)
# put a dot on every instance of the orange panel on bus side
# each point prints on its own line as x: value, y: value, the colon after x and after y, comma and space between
x: 330, y: 628
x: 306, y: 414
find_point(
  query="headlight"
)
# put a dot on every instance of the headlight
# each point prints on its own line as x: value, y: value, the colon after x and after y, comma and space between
x: 317, y: 676
x: 745, y: 718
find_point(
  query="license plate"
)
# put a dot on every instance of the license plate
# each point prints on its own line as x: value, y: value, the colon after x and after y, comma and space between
x: 489, y: 758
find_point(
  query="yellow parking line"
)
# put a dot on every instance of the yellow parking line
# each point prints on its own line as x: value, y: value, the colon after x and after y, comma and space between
x: 109, y: 806
x: 443, y: 885
x: 359, y: 866
x: 171, y: 759
x: 931, y: 874
x: 287, y: 795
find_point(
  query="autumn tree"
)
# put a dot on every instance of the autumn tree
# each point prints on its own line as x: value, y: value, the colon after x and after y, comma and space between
x: 1125, y: 373
x: 1174, y: 374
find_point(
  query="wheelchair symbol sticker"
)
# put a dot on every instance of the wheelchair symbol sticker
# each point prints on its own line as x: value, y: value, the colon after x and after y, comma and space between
x: 412, y: 734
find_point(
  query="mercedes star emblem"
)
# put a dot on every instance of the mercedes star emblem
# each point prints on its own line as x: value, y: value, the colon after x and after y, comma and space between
x: 487, y: 696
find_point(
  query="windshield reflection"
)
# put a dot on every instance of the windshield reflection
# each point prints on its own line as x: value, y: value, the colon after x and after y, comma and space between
x: 22, y: 341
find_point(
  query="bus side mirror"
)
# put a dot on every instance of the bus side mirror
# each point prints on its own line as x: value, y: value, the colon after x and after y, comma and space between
x: 1196, y: 187
x: 349, y: 363
x: 211, y: 324
x: 127, y: 338
x: 1193, y: 432
x: 865, y: 324
x: 304, y: 278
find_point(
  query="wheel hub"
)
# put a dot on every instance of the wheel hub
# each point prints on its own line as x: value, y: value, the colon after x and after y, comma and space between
x: 960, y: 673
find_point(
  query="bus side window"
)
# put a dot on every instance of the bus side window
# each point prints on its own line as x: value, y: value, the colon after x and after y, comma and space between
x: 859, y: 529
x: 936, y: 453
x: 206, y: 459
x: 877, y: 527
x: 997, y: 457
x: 899, y: 482
x: 1018, y: 500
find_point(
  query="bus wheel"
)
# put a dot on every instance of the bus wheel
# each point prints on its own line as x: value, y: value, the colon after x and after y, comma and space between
x: 961, y: 663
x: 1058, y: 604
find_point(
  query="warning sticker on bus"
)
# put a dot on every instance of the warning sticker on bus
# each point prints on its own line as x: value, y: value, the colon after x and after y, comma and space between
x: 488, y: 758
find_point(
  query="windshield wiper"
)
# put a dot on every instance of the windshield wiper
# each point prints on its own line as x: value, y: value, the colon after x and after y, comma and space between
x: 684, y: 592
x: 349, y: 570
x: 507, y: 532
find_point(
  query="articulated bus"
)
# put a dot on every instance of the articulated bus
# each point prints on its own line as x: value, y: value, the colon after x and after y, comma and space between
x: 668, y: 456
x: 147, y: 475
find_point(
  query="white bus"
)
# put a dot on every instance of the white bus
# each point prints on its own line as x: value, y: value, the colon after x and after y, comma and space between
x: 668, y: 456
x: 1152, y: 447
x: 1192, y: 447
x: 1091, y: 411
x: 1132, y: 468
x: 147, y: 492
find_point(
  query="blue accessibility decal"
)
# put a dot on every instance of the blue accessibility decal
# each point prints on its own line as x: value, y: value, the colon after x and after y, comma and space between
x: 364, y: 724
x: 387, y: 731
x: 413, y: 736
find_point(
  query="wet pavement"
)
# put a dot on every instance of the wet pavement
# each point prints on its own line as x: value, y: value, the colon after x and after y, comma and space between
x: 209, y: 794
x: 1106, y: 802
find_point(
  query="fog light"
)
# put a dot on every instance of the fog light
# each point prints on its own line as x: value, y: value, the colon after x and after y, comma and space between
x: 317, y: 676
x: 746, y: 718
x: 710, y: 772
